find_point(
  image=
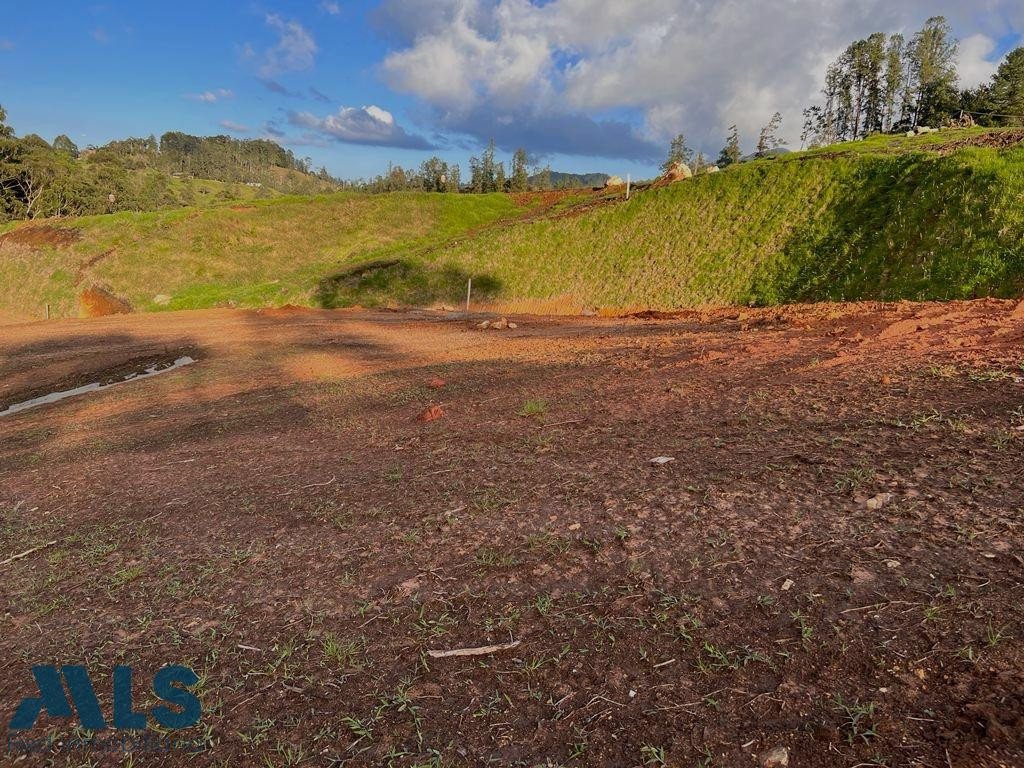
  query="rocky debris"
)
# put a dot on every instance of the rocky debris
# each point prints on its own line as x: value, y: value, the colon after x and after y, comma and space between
x: 436, y: 383
x: 498, y: 325
x: 162, y: 299
x: 878, y: 501
x: 1018, y: 312
x: 433, y: 413
x: 922, y: 129
x: 787, y: 585
x: 659, y: 461
x: 97, y: 301
x: 712, y: 169
x: 614, y: 181
x: 776, y: 757
x: 678, y: 172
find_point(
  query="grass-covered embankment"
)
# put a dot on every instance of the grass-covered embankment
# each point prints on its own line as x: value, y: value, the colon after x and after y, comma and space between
x: 850, y: 224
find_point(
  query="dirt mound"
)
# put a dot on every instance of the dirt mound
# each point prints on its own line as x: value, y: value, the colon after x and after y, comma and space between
x: 97, y: 301
x: 42, y: 235
x: 996, y: 139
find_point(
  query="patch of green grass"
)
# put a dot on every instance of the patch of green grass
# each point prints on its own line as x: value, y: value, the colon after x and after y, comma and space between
x: 534, y: 408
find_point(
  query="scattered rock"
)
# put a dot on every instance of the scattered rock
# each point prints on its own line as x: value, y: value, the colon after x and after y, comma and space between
x: 787, y: 585
x: 436, y: 383
x: 776, y: 757
x: 892, y: 564
x: 614, y: 181
x: 588, y: 312
x: 661, y: 460
x: 879, y: 501
x: 1018, y: 312
x: 712, y: 169
x: 678, y: 172
x: 499, y: 325
x: 162, y: 299
x: 433, y: 413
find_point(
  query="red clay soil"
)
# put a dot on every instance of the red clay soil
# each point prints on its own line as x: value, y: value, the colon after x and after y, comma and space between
x: 830, y: 565
x: 42, y: 235
x: 97, y: 301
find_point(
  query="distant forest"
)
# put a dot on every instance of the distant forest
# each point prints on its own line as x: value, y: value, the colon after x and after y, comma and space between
x: 39, y: 179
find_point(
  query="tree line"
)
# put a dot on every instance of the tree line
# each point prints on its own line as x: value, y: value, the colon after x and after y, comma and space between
x: 888, y: 83
x: 486, y: 175
x: 39, y: 178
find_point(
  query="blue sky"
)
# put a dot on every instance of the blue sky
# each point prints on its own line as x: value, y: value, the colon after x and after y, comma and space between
x: 585, y: 85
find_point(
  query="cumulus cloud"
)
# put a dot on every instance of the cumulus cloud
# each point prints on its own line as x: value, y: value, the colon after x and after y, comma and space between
x: 234, y: 127
x: 295, y: 49
x: 368, y: 125
x: 211, y: 97
x: 330, y: 8
x: 975, y: 60
x: 656, y: 67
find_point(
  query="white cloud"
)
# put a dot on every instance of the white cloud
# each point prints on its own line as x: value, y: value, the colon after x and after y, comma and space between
x: 6, y: 45
x: 975, y: 60
x: 330, y: 8
x: 369, y: 125
x: 234, y: 127
x: 211, y: 97
x: 673, y: 65
x: 295, y: 49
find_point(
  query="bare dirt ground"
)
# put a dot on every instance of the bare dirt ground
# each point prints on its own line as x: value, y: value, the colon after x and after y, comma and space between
x: 831, y: 564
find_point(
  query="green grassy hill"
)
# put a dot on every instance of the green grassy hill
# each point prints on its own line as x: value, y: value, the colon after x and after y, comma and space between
x: 253, y: 253
x: 934, y: 217
x: 886, y: 219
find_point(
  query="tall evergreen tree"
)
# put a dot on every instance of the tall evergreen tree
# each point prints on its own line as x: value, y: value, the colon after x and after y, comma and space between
x: 1007, y: 89
x: 769, y: 138
x: 731, y: 152
x: 520, y: 178
x: 678, y: 152
x: 933, y: 56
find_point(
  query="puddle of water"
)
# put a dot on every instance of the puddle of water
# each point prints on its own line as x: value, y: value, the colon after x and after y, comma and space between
x: 53, y: 397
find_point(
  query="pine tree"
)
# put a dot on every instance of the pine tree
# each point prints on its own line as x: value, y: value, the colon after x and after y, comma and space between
x: 731, y: 151
x: 769, y: 138
x: 1007, y: 89
x: 678, y: 152
x: 520, y: 179
x: 933, y: 57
